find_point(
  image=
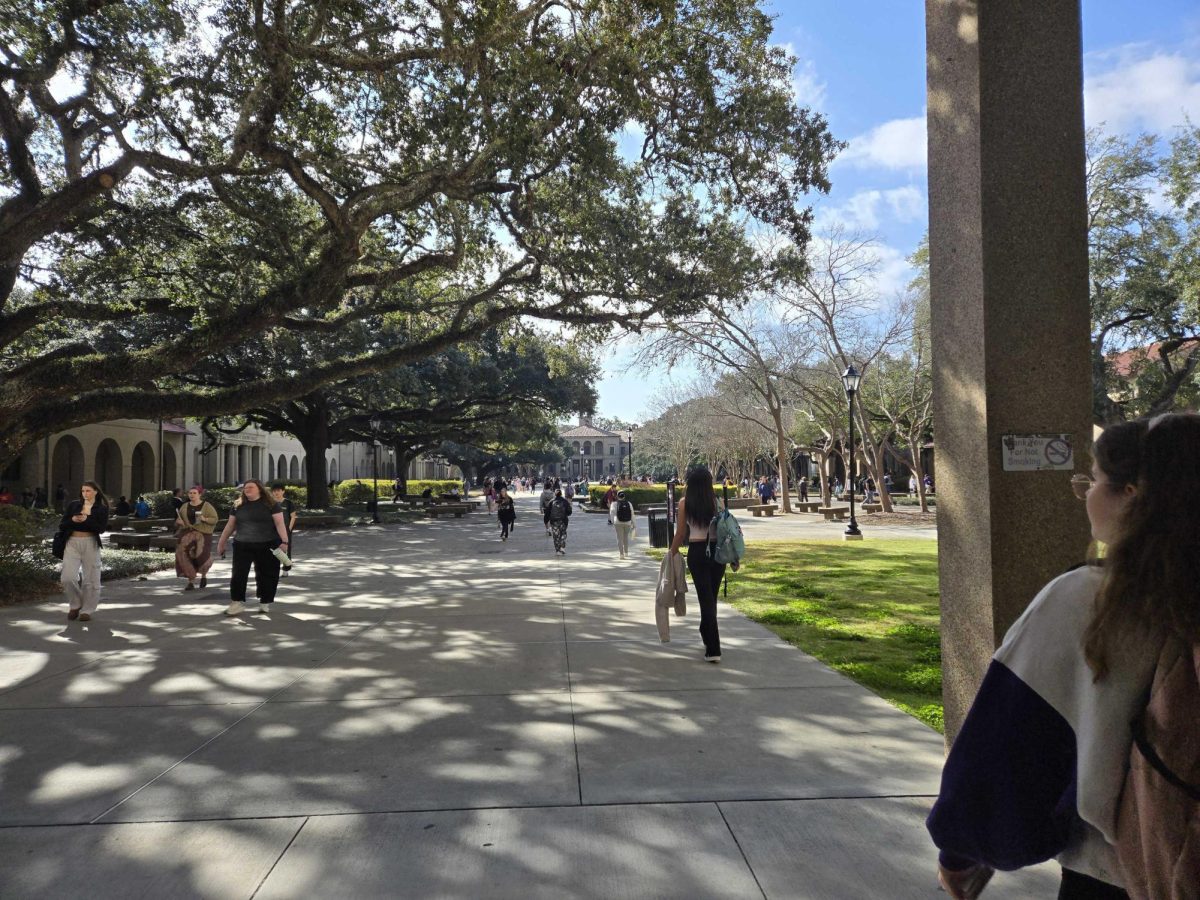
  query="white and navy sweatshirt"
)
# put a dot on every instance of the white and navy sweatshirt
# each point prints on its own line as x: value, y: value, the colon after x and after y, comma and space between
x: 1037, y: 769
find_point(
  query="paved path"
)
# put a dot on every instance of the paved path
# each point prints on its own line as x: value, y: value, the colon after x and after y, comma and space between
x: 431, y: 713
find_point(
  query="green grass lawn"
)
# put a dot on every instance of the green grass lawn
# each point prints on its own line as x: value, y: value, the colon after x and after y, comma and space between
x: 869, y: 610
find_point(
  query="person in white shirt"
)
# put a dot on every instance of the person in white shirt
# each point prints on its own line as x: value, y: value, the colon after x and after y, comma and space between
x: 621, y: 518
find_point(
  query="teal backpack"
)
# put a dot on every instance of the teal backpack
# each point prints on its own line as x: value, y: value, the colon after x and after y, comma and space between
x: 731, y: 546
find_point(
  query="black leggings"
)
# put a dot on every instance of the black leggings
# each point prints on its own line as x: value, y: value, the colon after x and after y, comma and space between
x: 706, y: 576
x: 266, y: 571
x: 1077, y: 886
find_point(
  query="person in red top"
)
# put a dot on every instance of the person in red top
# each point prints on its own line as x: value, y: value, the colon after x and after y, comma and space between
x: 5, y: 495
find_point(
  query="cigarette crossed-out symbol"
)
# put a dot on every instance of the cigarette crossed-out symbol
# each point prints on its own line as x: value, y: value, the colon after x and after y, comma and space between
x: 1057, y: 452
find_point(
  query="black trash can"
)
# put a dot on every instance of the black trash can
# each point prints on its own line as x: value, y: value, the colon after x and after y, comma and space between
x: 660, y: 528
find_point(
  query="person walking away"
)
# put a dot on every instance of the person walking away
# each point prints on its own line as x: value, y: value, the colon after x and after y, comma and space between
x: 803, y: 488
x: 489, y: 494
x: 84, y: 520
x: 506, y: 512
x: 697, y: 527
x: 258, y: 523
x: 1045, y: 764
x: 289, y: 523
x: 556, y: 517
x: 620, y: 516
x: 195, y: 522
x: 569, y: 493
x: 544, y: 501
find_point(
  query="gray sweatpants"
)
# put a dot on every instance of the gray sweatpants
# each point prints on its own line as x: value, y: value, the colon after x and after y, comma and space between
x: 81, y: 573
x: 624, y: 529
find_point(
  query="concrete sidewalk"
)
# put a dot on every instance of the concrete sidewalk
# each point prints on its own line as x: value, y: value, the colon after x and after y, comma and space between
x: 432, y: 713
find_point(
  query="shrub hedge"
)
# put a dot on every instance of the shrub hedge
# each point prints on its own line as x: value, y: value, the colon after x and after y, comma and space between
x: 358, y: 490
x: 637, y: 494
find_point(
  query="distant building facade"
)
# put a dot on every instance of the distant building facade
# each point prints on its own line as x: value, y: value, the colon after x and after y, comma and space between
x: 595, y: 453
x: 128, y: 457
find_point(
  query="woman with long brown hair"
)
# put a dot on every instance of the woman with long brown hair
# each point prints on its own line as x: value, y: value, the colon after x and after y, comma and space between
x: 696, y: 519
x: 1037, y: 770
x: 257, y: 520
x: 84, y: 520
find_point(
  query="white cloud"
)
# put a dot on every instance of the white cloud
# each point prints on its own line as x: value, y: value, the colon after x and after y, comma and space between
x: 868, y: 210
x: 807, y: 89
x: 1137, y: 88
x: 898, y: 144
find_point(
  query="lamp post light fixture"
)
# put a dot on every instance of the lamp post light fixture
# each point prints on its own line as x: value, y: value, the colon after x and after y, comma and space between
x: 851, y: 381
x: 580, y: 476
x: 376, y: 424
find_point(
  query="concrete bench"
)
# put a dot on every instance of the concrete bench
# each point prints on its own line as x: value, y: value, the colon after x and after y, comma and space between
x: 129, y: 540
x: 872, y: 507
x: 763, y: 509
x: 740, y: 503
x: 163, y: 542
x: 149, y: 524
x: 446, y: 509
x: 834, y: 512
x: 808, y: 506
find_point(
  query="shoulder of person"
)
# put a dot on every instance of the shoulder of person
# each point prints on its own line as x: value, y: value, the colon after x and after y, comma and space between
x: 1061, y: 609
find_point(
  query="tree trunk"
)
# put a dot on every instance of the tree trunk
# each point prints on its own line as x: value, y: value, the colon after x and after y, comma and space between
x: 315, y: 441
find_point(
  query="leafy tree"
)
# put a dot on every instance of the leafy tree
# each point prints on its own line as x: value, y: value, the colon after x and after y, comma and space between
x: 182, y: 178
x: 1144, y: 269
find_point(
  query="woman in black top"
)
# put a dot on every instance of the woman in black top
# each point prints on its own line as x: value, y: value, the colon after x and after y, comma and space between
x: 697, y: 527
x: 258, y: 522
x: 506, y: 512
x: 84, y: 521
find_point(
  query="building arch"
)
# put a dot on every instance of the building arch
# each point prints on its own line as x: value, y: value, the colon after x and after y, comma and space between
x: 109, y: 469
x: 170, y: 475
x: 66, y: 467
x: 587, y: 448
x: 294, y: 469
x: 333, y: 470
x: 281, y: 468
x: 141, y: 470
x: 598, y: 448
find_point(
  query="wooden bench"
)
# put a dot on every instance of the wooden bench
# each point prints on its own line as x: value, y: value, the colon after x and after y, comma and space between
x: 305, y: 522
x: 834, y: 512
x: 442, y: 509
x: 808, y: 506
x: 872, y: 507
x: 767, y: 509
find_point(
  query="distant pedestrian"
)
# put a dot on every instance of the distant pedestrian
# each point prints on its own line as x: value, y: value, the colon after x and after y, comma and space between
x: 506, y: 512
x: 39, y: 498
x: 697, y: 527
x: 887, y: 482
x: 570, y: 492
x: 141, y: 509
x: 258, y: 523
x: 84, y: 520
x: 489, y: 494
x: 60, y: 497
x: 195, y: 521
x: 27, y: 498
x: 544, y: 500
x: 803, y: 488
x: 122, y: 507
x: 912, y: 484
x: 928, y: 484
x: 177, y: 498
x: 289, y: 522
x: 558, y: 512
x: 621, y: 517
x: 397, y: 490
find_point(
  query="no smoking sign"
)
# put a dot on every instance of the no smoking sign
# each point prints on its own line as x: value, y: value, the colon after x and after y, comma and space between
x: 1037, y: 452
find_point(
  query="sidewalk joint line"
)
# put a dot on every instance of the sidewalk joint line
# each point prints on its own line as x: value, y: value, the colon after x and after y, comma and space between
x: 741, y: 850
x: 279, y: 858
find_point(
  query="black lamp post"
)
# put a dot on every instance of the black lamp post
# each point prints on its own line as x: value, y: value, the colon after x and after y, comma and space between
x: 851, y: 380
x: 580, y: 477
x: 376, y: 423
x: 629, y: 435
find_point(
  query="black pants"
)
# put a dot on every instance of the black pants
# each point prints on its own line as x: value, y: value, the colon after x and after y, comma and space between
x: 706, y: 577
x: 1077, y: 886
x: 266, y: 571
x: 506, y: 526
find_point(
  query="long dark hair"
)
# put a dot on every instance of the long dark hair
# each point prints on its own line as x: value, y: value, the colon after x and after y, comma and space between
x: 100, y: 500
x: 700, y: 501
x: 1150, y: 582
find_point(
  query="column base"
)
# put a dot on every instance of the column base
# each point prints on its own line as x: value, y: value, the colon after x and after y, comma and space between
x: 852, y: 537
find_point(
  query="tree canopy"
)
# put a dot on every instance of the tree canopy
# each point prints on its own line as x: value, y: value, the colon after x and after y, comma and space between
x: 179, y: 180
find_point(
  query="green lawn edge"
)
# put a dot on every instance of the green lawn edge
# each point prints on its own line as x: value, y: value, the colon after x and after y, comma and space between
x: 868, y: 609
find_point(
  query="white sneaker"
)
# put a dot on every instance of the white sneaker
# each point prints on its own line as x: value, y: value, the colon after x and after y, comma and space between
x: 713, y: 659
x: 236, y: 608
x: 264, y: 607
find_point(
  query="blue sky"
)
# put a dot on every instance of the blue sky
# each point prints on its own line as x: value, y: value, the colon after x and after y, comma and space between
x: 863, y: 66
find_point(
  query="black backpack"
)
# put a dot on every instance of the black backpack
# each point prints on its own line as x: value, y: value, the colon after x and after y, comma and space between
x: 559, y: 510
x: 624, y: 511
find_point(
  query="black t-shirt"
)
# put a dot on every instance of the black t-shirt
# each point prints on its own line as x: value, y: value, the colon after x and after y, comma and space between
x: 288, y: 508
x: 254, y: 522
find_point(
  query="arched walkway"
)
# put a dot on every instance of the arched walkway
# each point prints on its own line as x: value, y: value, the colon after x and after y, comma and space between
x: 108, y: 471
x: 66, y: 467
x: 170, y: 478
x: 294, y: 470
x: 333, y: 470
x: 141, y: 474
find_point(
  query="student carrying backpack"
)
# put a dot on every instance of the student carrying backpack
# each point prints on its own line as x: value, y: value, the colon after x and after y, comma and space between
x: 558, y: 511
x: 620, y: 516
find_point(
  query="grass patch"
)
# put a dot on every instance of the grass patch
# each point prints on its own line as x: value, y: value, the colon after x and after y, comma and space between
x: 868, y: 610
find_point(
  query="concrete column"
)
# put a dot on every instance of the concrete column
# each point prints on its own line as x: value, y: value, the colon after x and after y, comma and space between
x: 1009, y: 283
